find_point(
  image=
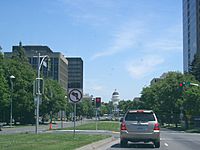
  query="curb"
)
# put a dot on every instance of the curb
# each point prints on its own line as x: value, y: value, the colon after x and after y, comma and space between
x: 98, y: 144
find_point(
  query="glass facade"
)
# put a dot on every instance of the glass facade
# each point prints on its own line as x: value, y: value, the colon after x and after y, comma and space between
x: 191, y: 31
x: 75, y: 73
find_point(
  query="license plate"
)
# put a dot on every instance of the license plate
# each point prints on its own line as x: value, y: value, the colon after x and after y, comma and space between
x: 142, y: 128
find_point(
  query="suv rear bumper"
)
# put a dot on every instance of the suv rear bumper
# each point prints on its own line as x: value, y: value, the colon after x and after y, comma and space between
x: 136, y: 136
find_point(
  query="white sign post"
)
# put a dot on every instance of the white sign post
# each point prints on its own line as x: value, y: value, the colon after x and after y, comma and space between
x: 75, y: 96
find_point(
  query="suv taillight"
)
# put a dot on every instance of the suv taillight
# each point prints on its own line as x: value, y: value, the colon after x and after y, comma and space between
x: 156, y: 126
x: 123, y: 126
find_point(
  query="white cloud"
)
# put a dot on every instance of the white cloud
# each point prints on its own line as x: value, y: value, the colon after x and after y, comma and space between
x: 125, y: 38
x: 142, y: 67
x: 137, y: 35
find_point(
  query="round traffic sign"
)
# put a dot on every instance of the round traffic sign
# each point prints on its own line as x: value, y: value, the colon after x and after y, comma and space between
x: 75, y: 95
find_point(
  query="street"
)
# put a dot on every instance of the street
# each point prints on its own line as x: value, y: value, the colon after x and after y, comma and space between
x: 42, y: 128
x: 170, y: 140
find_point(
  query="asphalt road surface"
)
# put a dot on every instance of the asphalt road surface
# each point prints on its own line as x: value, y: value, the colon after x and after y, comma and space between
x: 170, y: 140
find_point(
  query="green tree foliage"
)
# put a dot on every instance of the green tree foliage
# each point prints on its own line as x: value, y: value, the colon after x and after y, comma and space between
x: 124, y: 106
x: 4, y: 92
x: 54, y: 98
x: 23, y: 108
x: 166, y: 97
x: 1, y: 55
x: 105, y: 109
x: 87, y: 108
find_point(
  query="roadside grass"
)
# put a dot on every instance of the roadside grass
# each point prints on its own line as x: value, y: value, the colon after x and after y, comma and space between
x: 180, y: 128
x: 46, y: 141
x: 101, y: 125
x: 195, y: 130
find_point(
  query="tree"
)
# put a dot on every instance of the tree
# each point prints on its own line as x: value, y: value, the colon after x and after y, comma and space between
x: 4, y: 91
x: 53, y: 99
x: 87, y: 108
x: 23, y: 106
x: 166, y: 97
x: 124, y: 106
x: 1, y: 55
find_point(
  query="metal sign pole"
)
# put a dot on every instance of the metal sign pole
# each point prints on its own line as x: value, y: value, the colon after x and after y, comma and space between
x: 96, y: 119
x: 74, y: 118
x: 75, y: 95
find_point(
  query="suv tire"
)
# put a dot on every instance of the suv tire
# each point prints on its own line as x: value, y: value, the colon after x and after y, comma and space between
x: 157, y: 144
x: 123, y: 143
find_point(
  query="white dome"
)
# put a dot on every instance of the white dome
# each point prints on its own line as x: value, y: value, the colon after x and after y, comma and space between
x: 115, y: 98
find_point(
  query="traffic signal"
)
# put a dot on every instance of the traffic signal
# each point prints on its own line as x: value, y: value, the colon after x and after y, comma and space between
x: 182, y: 84
x: 93, y: 103
x: 98, y: 102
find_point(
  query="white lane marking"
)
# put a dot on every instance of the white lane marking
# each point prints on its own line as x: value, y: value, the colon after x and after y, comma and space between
x: 166, y: 144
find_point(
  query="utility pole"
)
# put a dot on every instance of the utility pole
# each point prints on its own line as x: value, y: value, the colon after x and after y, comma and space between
x: 11, y: 106
x: 38, y: 91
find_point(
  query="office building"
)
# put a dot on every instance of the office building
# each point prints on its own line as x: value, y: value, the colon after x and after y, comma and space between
x: 56, y: 70
x: 75, y: 72
x: 191, y: 31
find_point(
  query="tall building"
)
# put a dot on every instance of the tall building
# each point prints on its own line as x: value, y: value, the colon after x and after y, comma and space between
x: 58, y: 68
x: 75, y: 72
x: 191, y: 31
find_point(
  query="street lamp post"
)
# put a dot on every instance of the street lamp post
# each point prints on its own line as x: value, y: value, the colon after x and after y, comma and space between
x: 38, y: 93
x: 11, y: 82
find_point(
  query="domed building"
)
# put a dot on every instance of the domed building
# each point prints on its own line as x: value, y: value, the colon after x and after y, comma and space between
x: 115, y: 100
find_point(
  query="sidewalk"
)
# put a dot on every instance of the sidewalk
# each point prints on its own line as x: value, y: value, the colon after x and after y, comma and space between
x: 100, y: 145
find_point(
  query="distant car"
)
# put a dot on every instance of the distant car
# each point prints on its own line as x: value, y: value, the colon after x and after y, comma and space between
x: 140, y: 126
x: 106, y: 117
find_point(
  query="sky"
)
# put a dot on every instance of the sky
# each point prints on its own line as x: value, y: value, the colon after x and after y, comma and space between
x: 124, y: 44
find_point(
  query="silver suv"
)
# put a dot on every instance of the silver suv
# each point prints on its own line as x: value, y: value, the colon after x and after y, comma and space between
x: 140, y: 126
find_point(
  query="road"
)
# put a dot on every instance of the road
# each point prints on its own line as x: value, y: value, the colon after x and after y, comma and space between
x: 170, y: 140
x: 41, y: 128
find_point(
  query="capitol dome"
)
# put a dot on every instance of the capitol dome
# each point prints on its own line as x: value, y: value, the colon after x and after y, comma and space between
x: 115, y: 97
x: 115, y: 93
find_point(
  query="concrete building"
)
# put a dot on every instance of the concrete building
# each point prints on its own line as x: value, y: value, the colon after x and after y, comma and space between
x: 156, y: 80
x: 58, y: 68
x: 75, y: 72
x: 191, y: 31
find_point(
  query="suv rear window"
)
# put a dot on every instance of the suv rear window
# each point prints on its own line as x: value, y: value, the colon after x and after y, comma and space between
x: 139, y: 116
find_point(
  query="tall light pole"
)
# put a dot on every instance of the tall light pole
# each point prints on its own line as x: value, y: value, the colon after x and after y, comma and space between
x: 11, y: 82
x: 38, y: 92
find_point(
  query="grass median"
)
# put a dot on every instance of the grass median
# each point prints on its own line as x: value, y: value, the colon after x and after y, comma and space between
x: 46, y: 141
x: 101, y: 125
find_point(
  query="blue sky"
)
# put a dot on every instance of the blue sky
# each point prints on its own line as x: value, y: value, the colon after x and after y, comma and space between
x: 124, y: 43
